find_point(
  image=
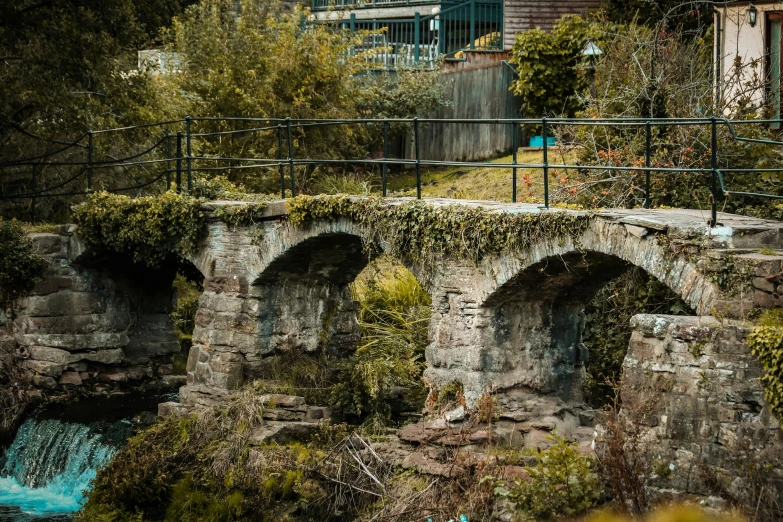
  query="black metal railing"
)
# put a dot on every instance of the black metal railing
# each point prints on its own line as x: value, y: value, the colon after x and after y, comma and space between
x: 173, y: 143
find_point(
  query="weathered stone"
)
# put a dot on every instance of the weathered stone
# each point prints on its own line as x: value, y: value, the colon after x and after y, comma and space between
x: 283, y: 415
x: 44, y: 381
x: 283, y: 432
x: 283, y: 401
x: 75, y: 342
x: 111, y: 356
x: 71, y: 378
x: 47, y: 368
x: 422, y: 462
x: 46, y: 244
x: 55, y: 355
x: 168, y: 409
x: 318, y: 413
x: 455, y: 415
x: 766, y: 300
x: 763, y: 284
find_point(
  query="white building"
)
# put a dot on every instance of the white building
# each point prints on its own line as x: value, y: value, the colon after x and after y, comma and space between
x: 747, y: 52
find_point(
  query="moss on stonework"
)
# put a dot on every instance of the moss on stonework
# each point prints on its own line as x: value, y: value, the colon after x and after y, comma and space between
x: 766, y: 342
x: 149, y: 228
x: 419, y: 231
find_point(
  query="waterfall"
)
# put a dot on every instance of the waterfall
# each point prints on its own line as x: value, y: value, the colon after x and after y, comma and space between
x: 51, y: 462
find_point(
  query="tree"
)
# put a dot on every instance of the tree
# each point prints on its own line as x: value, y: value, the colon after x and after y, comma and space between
x: 263, y: 64
x: 64, y: 68
x: 548, y: 65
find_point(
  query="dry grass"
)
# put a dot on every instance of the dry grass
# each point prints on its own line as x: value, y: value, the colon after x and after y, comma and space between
x: 482, y: 183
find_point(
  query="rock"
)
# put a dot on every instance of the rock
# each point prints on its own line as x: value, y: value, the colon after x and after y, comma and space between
x: 147, y: 418
x: 422, y: 432
x: 424, y: 463
x: 318, y: 413
x: 277, y: 400
x: 43, y: 381
x: 587, y: 418
x: 108, y: 356
x: 511, y: 472
x: 55, y: 355
x: 45, y: 368
x: 46, y: 244
x: 74, y: 342
x: 456, y: 414
x: 283, y: 415
x: 175, y: 381
x: 516, y: 416
x: 283, y: 432
x: 167, y: 409
x: 762, y: 284
x: 72, y: 378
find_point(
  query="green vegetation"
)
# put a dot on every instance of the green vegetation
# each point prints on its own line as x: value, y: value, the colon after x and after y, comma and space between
x: 563, y: 483
x: 149, y: 228
x: 383, y: 375
x: 394, y: 313
x: 418, y: 232
x: 548, y: 65
x: 607, y: 331
x: 206, y: 468
x: 20, y: 265
x: 766, y: 342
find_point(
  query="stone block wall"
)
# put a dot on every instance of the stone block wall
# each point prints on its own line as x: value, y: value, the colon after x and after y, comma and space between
x: 84, y: 325
x: 705, y: 403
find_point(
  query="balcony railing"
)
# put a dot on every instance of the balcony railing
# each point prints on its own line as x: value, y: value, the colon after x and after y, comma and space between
x: 421, y: 40
x: 322, y: 5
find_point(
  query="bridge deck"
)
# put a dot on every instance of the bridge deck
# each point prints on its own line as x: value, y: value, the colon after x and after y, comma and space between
x: 679, y: 222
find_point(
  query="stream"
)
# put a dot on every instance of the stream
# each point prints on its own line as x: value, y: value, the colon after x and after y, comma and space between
x: 46, y: 471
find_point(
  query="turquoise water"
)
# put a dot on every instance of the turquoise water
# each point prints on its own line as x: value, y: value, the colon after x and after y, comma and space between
x: 50, y: 464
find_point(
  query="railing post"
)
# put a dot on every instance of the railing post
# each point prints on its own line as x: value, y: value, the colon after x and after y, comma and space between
x: 514, y: 145
x: 544, y: 134
x: 168, y: 161
x: 179, y: 161
x: 190, y: 175
x: 418, y: 158
x: 89, y: 160
x: 35, y: 190
x: 385, y: 167
x: 714, y: 166
x: 291, y: 158
x: 472, y: 24
x: 647, y: 156
x: 280, y: 159
x: 416, y: 36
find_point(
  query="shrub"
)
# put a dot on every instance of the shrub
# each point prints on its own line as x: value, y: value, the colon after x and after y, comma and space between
x: 549, y: 76
x: 188, y: 293
x: 563, y: 483
x: 393, y: 313
x: 20, y: 265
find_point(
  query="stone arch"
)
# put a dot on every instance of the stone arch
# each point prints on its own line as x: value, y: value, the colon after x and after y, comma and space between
x: 514, y: 322
x: 603, y: 241
x: 270, y: 289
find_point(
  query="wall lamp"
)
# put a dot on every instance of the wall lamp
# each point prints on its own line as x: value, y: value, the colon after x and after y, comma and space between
x: 753, y: 15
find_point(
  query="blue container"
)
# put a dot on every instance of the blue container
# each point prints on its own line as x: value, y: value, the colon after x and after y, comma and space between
x: 538, y: 141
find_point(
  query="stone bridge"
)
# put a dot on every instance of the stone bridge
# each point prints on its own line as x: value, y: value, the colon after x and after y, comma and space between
x: 512, y: 322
